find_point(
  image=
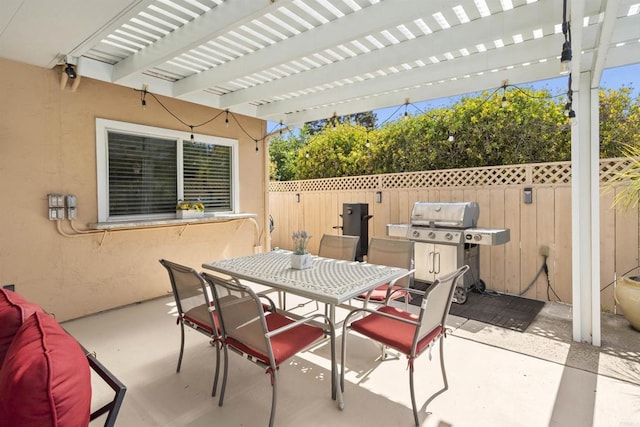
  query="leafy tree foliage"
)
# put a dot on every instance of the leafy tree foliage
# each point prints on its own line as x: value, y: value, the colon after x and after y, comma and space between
x: 283, y: 152
x: 479, y: 130
x: 619, y: 121
x: 366, y: 119
x: 337, y: 151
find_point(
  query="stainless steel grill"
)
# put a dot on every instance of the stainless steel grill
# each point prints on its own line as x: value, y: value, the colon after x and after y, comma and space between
x: 447, y: 237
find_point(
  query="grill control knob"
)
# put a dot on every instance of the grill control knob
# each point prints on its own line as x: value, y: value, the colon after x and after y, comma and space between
x: 431, y: 235
x: 416, y: 233
x: 448, y: 236
x: 477, y: 237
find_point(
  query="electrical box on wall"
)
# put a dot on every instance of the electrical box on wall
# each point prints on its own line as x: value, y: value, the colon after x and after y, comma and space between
x: 72, y: 210
x: 56, y: 207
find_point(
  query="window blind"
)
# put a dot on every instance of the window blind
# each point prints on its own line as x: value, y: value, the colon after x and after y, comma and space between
x: 208, y: 175
x: 142, y: 175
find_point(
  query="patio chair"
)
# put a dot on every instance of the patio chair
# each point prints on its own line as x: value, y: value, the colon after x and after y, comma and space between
x: 394, y: 253
x: 266, y: 339
x: 195, y: 309
x: 338, y: 247
x: 405, y: 332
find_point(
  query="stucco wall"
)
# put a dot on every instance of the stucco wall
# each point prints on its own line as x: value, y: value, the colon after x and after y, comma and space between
x: 47, y: 145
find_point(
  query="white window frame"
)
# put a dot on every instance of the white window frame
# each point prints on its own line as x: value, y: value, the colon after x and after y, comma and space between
x: 103, y: 126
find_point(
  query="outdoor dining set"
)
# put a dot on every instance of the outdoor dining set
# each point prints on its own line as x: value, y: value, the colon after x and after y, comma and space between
x: 232, y: 303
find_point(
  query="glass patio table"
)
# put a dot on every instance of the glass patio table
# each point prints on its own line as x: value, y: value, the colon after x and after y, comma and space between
x: 329, y: 281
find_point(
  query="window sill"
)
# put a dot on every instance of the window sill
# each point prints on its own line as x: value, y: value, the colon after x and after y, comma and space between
x: 222, y: 217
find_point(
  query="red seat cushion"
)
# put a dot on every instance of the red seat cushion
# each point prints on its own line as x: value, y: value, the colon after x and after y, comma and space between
x: 393, y: 333
x: 14, y: 310
x: 199, y: 316
x: 284, y: 345
x: 380, y: 293
x: 45, y: 380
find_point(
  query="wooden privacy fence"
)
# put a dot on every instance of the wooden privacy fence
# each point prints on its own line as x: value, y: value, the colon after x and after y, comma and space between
x: 543, y: 226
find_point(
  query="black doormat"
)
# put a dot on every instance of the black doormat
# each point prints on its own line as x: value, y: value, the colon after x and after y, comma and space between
x: 506, y: 311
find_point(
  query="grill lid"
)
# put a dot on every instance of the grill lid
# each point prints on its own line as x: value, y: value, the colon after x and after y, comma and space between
x: 454, y: 215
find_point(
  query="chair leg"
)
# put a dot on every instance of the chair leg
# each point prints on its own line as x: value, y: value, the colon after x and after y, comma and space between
x: 224, y: 376
x: 181, y: 346
x: 274, y: 391
x: 444, y: 372
x: 413, y: 397
x: 215, y: 378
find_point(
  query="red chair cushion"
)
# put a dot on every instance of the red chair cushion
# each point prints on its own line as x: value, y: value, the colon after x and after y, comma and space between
x: 380, y: 293
x: 284, y: 345
x: 14, y: 310
x: 195, y: 319
x: 45, y: 380
x: 393, y: 333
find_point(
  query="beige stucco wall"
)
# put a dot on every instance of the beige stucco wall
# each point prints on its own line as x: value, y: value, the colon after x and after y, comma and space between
x: 47, y: 145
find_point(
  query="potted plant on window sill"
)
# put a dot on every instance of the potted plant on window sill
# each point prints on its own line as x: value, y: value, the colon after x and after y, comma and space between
x: 627, y: 287
x: 188, y: 209
x: 301, y: 258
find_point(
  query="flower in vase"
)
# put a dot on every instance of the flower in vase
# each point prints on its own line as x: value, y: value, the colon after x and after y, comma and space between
x: 300, y: 242
x: 189, y: 205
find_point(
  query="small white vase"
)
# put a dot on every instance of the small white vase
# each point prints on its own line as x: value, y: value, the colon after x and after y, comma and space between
x: 189, y: 213
x: 301, y: 262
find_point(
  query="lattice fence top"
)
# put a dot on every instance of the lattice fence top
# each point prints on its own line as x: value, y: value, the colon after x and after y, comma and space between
x: 555, y: 173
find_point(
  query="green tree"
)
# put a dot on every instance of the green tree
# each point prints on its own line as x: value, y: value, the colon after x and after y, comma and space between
x: 478, y: 130
x: 366, y: 119
x: 338, y: 151
x: 619, y: 121
x: 283, y: 152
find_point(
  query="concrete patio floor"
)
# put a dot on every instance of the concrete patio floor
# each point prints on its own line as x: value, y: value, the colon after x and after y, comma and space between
x: 497, y: 377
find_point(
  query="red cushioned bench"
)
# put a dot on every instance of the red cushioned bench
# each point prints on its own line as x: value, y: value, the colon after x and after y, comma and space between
x: 45, y: 374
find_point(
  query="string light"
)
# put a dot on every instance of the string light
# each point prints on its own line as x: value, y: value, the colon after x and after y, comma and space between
x: 451, y: 137
x: 566, y: 55
x: 143, y: 97
x: 143, y: 102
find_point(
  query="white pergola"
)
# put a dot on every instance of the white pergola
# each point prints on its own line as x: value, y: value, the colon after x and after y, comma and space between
x: 294, y: 61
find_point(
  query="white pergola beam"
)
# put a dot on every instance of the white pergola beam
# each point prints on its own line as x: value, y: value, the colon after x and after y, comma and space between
x: 531, y: 73
x: 516, y: 55
x: 367, y: 21
x: 217, y: 21
x: 420, y: 48
x: 585, y: 195
x: 604, y: 40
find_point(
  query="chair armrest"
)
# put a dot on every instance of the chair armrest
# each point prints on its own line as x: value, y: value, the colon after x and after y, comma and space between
x: 301, y: 322
x: 408, y: 290
x: 408, y: 273
x: 113, y: 407
x: 271, y: 304
x: 377, y: 313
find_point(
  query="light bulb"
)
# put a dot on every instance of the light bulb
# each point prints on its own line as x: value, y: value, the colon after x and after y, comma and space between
x: 565, y: 58
x: 451, y: 138
x: 504, y: 101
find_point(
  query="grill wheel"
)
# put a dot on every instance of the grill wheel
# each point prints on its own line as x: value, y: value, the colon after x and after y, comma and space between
x: 460, y: 295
